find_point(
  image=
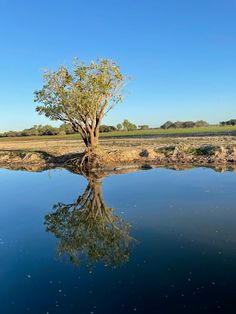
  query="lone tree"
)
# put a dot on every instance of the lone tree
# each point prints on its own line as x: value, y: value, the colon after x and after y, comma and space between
x: 81, y: 96
x: 127, y: 125
x: 119, y: 126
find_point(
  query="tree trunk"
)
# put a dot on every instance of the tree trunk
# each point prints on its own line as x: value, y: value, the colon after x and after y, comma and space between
x: 90, y: 135
x: 93, y: 142
x: 89, y: 132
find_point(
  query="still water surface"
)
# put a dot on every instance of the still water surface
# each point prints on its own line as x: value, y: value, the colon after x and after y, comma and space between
x: 157, y: 241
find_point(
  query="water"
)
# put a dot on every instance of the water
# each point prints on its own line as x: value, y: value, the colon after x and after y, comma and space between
x: 164, y: 241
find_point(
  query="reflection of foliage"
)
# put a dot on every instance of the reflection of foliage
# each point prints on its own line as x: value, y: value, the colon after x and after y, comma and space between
x: 88, y: 228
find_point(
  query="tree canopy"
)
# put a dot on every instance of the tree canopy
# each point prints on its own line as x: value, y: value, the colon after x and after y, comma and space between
x: 81, y: 96
x: 184, y: 124
x: 229, y: 122
x: 128, y: 126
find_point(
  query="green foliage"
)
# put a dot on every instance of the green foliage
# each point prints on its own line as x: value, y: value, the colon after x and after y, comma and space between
x: 119, y: 126
x: 10, y: 134
x: 166, y: 150
x: 107, y: 128
x: 66, y: 128
x: 48, y: 130
x: 184, y: 124
x: 167, y: 125
x: 207, y: 150
x: 81, y: 95
x: 143, y: 127
x: 201, y: 123
x: 128, y: 126
x: 36, y: 130
x: 41, y: 130
x: 189, y: 150
x: 229, y: 122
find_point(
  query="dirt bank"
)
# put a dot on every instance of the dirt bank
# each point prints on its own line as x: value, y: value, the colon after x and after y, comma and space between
x: 127, y: 157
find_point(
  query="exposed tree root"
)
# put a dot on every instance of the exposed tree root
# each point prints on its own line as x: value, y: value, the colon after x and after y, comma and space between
x: 91, y: 159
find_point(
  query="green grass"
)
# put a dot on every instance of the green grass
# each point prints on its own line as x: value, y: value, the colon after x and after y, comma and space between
x: 214, y: 129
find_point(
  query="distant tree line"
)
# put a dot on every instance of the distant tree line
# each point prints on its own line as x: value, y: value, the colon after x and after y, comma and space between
x: 65, y: 128
x: 229, y: 122
x: 184, y: 124
x: 41, y: 130
x: 126, y: 125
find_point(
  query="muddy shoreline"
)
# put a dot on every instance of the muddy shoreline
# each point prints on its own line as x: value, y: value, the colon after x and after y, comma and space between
x: 221, y: 158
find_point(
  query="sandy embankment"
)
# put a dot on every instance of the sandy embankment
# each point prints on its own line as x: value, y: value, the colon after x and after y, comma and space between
x: 121, y: 153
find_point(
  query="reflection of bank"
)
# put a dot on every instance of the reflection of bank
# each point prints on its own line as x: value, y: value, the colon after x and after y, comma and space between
x: 90, y: 231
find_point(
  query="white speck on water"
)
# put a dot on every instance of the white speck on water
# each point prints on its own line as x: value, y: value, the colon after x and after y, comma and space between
x: 60, y: 290
x: 29, y: 276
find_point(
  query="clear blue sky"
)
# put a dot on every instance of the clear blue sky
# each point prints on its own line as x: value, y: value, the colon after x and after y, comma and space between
x: 181, y: 55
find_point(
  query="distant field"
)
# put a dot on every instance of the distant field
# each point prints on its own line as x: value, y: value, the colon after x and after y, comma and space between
x: 139, y: 133
x: 209, y: 129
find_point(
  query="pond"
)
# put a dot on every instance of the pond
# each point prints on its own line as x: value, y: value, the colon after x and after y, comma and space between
x: 156, y: 241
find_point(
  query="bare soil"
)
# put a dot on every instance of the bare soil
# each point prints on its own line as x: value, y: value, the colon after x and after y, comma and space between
x: 218, y: 151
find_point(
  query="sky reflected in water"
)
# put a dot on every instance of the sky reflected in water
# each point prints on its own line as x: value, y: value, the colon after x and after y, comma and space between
x: 164, y: 242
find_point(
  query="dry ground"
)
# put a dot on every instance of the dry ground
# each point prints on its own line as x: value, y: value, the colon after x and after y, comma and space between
x: 63, y: 146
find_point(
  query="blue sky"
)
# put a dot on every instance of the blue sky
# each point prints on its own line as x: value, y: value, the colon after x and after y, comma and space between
x: 181, y: 55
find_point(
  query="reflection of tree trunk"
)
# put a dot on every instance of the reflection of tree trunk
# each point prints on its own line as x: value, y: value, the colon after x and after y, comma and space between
x: 98, y: 206
x: 92, y: 199
x: 92, y: 202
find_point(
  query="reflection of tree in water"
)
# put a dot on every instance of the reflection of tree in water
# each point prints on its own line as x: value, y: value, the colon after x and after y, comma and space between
x: 88, y: 229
